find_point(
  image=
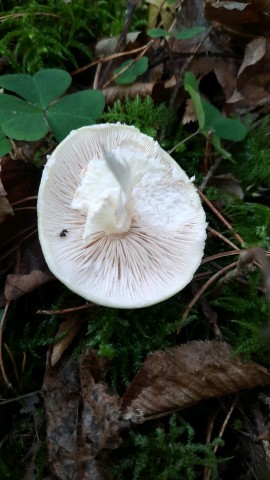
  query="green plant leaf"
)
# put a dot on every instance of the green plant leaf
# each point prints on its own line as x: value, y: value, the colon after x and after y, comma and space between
x: 41, y: 89
x: 158, y: 33
x: 226, y: 128
x: 189, y: 33
x: 21, y: 84
x: 20, y: 120
x: 5, y: 145
x: 133, y: 72
x: 230, y: 129
x: 75, y: 111
x: 191, y: 86
x: 51, y: 83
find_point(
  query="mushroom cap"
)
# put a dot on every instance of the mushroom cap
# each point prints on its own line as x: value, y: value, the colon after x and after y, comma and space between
x: 113, y: 174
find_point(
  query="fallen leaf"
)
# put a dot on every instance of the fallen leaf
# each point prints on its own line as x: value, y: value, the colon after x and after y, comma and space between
x: 229, y: 13
x: 228, y: 183
x: 252, y: 85
x: 182, y: 376
x: 69, y: 329
x: 32, y: 271
x: 82, y: 417
x: 5, y: 207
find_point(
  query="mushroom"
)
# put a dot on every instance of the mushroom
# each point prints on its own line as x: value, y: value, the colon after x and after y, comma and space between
x: 120, y: 223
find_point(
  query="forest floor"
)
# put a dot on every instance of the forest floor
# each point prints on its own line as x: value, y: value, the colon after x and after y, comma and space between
x: 178, y: 390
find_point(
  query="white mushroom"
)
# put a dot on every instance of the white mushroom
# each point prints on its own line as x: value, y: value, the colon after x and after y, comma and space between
x: 119, y: 221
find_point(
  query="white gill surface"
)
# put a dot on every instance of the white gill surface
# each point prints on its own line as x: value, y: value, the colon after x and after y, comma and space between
x: 160, y: 242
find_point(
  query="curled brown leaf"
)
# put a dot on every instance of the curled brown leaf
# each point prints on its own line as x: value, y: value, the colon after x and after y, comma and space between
x: 182, y: 376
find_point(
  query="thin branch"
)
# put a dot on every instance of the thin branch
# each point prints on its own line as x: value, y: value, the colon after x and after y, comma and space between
x: 2, y: 323
x: 222, y: 237
x: 184, y: 141
x: 223, y: 220
x: 21, y: 209
x: 220, y: 255
x: 114, y: 77
x: 113, y: 56
x: 26, y: 199
x: 21, y: 397
x: 66, y: 310
x: 204, y: 288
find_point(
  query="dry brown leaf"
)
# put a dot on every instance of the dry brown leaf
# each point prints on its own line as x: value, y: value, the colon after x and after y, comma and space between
x: 20, y: 179
x: 69, y: 328
x: 82, y: 417
x: 17, y: 285
x: 182, y: 376
x: 252, y: 86
x: 228, y: 183
x: 231, y: 13
x: 189, y: 114
x: 5, y: 207
x: 120, y: 92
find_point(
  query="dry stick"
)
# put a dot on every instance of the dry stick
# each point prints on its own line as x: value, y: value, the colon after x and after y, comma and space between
x: 11, y: 356
x: 210, y: 173
x: 219, y: 235
x: 180, y: 77
x: 203, y: 288
x: 157, y: 14
x: 21, y: 397
x: 211, y: 424
x: 12, y: 249
x: 66, y: 310
x: 220, y: 255
x: 221, y: 432
x: 114, y: 77
x: 20, y: 209
x: 108, y: 59
x: 2, y: 368
x: 218, y: 214
x: 26, y: 199
x: 96, y: 78
x: 122, y: 40
x: 184, y: 141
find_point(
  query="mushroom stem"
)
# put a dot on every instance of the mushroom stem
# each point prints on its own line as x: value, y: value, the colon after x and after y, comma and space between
x: 104, y: 195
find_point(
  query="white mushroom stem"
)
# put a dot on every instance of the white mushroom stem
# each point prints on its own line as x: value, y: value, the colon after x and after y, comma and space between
x: 105, y: 193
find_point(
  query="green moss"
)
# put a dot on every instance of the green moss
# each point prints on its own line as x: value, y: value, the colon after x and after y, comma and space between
x: 165, y: 454
x: 252, y: 157
x: 244, y: 314
x: 38, y: 34
x: 142, y: 113
x: 127, y: 336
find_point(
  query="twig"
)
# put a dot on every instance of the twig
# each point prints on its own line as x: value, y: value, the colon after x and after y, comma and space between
x: 21, y: 397
x: 66, y: 310
x: 210, y: 173
x: 184, y: 141
x: 220, y: 255
x: 122, y: 40
x: 96, y: 78
x: 221, y: 433
x: 114, y: 77
x: 20, y: 209
x: 179, y: 81
x: 113, y: 56
x: 203, y: 288
x: 222, y: 237
x: 26, y: 199
x: 12, y: 249
x: 223, y: 220
x: 11, y: 356
x: 2, y: 323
